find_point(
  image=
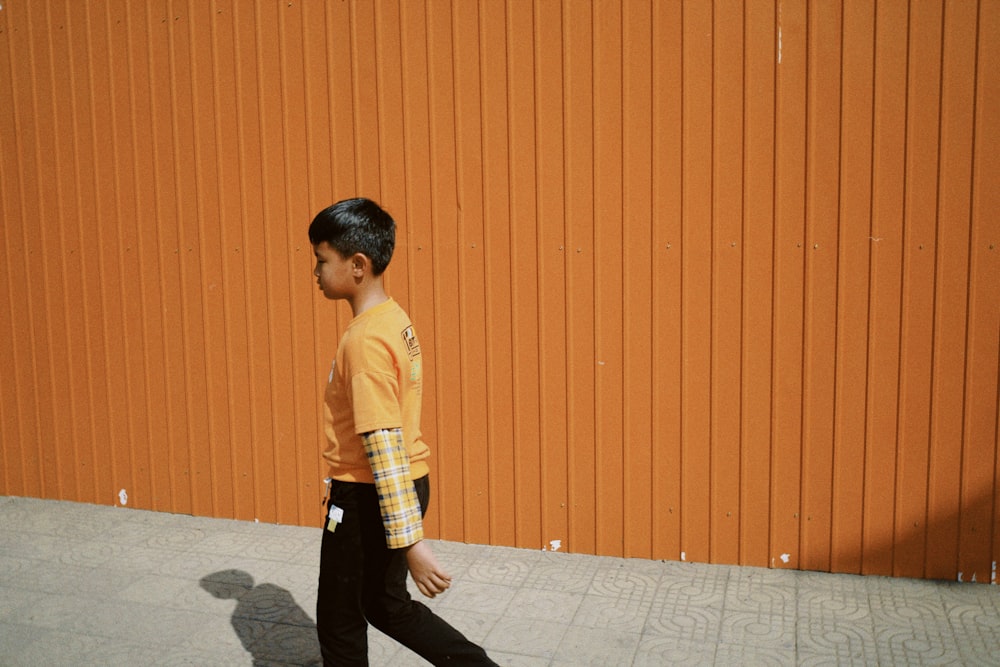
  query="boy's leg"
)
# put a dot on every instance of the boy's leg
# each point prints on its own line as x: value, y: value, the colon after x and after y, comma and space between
x: 390, y: 608
x: 340, y: 620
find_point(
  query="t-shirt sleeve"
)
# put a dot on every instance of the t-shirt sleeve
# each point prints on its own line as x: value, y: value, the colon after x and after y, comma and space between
x: 376, y: 402
x: 374, y: 388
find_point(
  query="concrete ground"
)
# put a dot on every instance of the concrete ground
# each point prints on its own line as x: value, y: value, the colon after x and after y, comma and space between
x: 92, y: 585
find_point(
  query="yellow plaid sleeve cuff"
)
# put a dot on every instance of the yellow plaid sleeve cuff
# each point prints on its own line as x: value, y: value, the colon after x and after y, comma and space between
x: 397, y: 497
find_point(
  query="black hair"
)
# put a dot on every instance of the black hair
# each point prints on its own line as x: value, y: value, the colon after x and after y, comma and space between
x: 356, y: 225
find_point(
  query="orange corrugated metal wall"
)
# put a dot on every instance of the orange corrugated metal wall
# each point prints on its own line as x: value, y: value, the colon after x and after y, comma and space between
x: 704, y: 280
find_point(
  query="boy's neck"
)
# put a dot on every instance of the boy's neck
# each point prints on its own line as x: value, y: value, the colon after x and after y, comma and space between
x: 369, y: 295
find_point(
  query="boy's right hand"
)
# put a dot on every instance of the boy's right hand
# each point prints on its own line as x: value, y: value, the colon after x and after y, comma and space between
x: 427, y: 574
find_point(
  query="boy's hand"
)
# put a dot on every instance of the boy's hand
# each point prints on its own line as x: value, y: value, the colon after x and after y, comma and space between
x: 427, y: 574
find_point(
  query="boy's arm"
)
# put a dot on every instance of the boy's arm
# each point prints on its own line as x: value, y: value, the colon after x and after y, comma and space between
x: 400, y: 508
x: 397, y: 497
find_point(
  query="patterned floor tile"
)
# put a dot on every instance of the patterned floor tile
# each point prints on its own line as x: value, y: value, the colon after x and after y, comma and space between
x: 295, y: 577
x: 128, y: 533
x: 12, y: 600
x: 692, y: 623
x: 176, y: 538
x: 656, y: 651
x: 168, y: 592
x: 284, y: 550
x: 219, y: 634
x: 474, y: 625
x: 525, y: 637
x: 516, y: 660
x: 807, y: 657
x: 699, y: 586
x: 197, y: 565
x: 973, y: 617
x: 568, y: 573
x: 91, y: 553
x: 498, y: 566
x: 544, y: 605
x: 121, y: 654
x: 289, y: 644
x: 477, y: 596
x: 892, y: 611
x: 838, y: 643
x: 383, y: 650
x: 597, y: 647
x: 455, y: 559
x: 31, y: 546
x: 756, y: 592
x: 49, y: 648
x: 15, y: 639
x: 11, y: 569
x: 832, y: 605
x: 689, y: 607
x: 74, y: 580
x: 620, y: 582
x: 752, y: 654
x: 916, y: 645
x: 757, y: 629
x: 619, y: 614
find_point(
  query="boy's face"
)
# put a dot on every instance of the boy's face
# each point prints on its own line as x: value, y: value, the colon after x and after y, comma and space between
x: 334, y: 273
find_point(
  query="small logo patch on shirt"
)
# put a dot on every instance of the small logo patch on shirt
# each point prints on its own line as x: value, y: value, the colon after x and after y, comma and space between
x: 410, y: 340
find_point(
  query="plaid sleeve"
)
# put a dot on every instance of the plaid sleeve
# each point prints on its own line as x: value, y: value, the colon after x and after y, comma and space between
x: 397, y: 496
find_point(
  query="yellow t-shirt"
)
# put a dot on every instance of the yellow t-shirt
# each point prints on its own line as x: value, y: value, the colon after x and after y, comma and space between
x: 376, y: 382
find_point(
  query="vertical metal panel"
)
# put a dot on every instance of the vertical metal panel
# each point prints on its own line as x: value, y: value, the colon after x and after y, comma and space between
x: 888, y: 152
x: 727, y: 276
x: 445, y: 246
x: 580, y: 286
x: 911, y: 530
x: 788, y: 291
x: 553, y: 188
x: 952, y: 476
x: 639, y: 240
x: 526, y: 359
x: 470, y: 279
x: 235, y: 472
x: 855, y: 244
x: 714, y: 281
x: 697, y: 235
x: 666, y: 200
x: 609, y: 269
x: 757, y: 349
x: 820, y: 280
x: 498, y: 263
x: 981, y: 541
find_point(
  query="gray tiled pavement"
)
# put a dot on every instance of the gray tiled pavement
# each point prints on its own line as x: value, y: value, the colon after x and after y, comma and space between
x: 91, y: 585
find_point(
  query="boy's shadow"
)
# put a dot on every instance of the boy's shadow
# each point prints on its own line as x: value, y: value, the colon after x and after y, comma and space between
x: 269, y: 623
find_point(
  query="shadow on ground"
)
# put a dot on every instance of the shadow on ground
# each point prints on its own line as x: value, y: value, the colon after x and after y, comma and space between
x: 272, y: 627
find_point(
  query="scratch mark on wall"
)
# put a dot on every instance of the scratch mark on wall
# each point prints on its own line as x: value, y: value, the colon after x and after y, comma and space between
x: 779, y: 34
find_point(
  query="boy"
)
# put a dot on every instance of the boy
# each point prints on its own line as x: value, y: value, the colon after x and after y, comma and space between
x: 378, y: 490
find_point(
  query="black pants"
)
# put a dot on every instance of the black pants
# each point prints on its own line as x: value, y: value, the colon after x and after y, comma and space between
x: 361, y: 581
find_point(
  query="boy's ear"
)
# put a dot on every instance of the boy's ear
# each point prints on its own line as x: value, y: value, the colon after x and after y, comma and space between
x: 359, y: 264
